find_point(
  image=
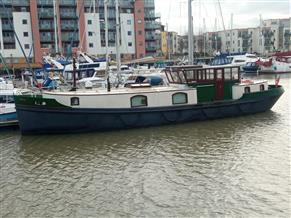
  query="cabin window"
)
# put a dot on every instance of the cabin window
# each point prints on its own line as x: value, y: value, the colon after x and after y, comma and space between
x: 75, y: 101
x: 227, y: 74
x: 247, y: 89
x: 180, y: 98
x: 139, y: 101
x: 262, y: 87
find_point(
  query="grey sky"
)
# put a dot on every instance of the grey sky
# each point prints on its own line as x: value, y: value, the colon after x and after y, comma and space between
x: 245, y: 13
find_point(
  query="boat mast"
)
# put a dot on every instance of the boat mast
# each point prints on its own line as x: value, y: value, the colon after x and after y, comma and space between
x: 190, y: 33
x: 204, y: 37
x: 117, y: 35
x: 106, y: 42
x: 261, y: 36
x: 231, y: 27
x: 216, y: 35
x: 55, y: 28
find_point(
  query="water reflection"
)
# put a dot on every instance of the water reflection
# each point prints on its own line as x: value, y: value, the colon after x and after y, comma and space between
x: 229, y: 167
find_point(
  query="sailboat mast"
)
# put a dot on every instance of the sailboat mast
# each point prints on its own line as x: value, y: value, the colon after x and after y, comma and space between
x: 117, y: 35
x: 204, y: 37
x: 190, y: 33
x: 231, y: 27
x: 106, y: 30
x: 55, y: 27
x: 106, y: 42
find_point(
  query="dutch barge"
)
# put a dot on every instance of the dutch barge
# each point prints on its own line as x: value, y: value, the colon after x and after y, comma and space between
x: 193, y: 93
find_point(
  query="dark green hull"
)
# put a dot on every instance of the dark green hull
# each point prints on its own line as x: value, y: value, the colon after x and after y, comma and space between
x: 54, y: 118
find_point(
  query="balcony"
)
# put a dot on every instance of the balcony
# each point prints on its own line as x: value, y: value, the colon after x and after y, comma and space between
x: 6, y: 13
x: 46, y: 38
x: 7, y: 27
x: 150, y: 37
x: 46, y: 26
x: 69, y: 38
x: 8, y: 39
x: 152, y: 26
x: 68, y: 14
x: 69, y: 26
x: 67, y: 3
x: 45, y: 2
x: 45, y: 14
x: 126, y: 4
x: 20, y: 2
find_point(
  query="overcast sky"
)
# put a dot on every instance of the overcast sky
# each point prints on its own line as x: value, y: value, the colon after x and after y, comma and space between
x: 245, y: 13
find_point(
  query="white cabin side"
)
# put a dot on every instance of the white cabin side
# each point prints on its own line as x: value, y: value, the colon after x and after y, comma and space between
x: 239, y: 89
x: 123, y: 98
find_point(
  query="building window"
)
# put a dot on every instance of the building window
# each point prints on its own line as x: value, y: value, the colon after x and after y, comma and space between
x: 262, y: 87
x: 75, y: 101
x: 139, y: 32
x: 91, y: 45
x: 24, y: 21
x: 180, y: 98
x: 129, y: 33
x: 90, y: 34
x: 25, y: 34
x: 139, y: 21
x: 89, y: 22
x: 130, y: 44
x: 247, y: 89
x: 129, y: 22
x: 140, y: 44
x: 139, y: 101
x: 26, y: 46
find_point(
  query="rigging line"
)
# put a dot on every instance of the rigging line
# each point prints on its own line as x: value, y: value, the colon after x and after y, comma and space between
x: 16, y: 36
x: 221, y: 16
x: 4, y: 64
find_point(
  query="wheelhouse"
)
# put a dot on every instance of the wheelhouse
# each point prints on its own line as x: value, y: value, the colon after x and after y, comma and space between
x: 193, y: 75
x: 212, y: 83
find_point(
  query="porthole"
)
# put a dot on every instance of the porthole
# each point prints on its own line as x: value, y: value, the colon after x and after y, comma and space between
x: 139, y: 101
x: 180, y: 98
x: 75, y: 101
x: 247, y: 89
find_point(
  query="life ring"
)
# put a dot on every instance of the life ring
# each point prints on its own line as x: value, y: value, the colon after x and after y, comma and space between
x: 247, y: 81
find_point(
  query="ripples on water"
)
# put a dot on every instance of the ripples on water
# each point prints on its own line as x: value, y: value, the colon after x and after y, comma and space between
x: 231, y: 167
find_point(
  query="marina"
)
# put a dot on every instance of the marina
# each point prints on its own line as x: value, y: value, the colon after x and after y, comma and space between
x: 108, y: 110
x: 231, y: 167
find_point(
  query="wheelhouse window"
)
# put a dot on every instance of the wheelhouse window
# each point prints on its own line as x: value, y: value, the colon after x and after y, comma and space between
x: 75, y: 101
x: 139, y: 101
x: 247, y: 89
x: 180, y: 98
x: 262, y: 87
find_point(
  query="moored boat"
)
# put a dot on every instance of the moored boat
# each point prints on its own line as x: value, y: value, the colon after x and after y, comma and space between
x: 8, y: 116
x: 193, y: 93
x: 279, y: 63
x: 251, y: 67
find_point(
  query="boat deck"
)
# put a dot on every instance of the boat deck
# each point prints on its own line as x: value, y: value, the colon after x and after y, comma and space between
x: 113, y: 91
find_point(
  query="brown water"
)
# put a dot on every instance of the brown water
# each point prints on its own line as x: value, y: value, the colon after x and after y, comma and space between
x: 237, y: 167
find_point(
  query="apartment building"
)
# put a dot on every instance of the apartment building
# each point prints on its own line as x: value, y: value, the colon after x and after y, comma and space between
x: 63, y: 26
x: 272, y: 35
x: 169, y: 43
